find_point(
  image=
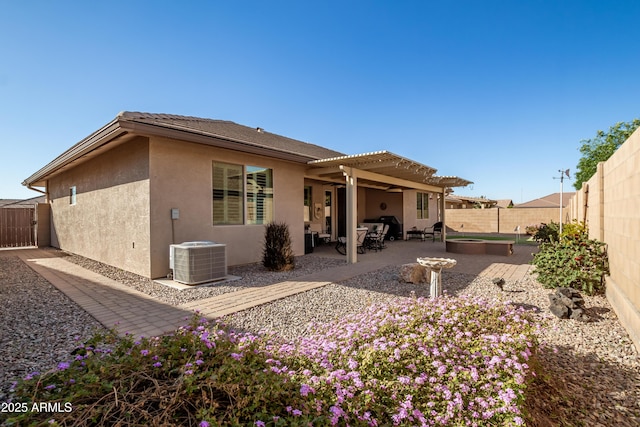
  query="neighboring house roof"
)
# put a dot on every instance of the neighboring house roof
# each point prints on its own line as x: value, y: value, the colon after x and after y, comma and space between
x: 21, y: 203
x: 550, y: 201
x: 472, y: 200
x: 505, y: 203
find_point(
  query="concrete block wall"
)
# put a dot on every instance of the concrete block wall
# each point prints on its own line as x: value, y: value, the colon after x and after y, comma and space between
x: 500, y: 220
x: 610, y: 202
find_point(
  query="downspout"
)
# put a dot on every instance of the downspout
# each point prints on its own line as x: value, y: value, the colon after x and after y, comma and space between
x: 35, y: 189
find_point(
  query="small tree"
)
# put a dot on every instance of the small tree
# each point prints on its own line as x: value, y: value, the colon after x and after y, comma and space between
x: 600, y: 148
x: 277, y: 254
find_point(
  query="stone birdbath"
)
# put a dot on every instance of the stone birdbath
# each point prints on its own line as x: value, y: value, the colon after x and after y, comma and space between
x: 436, y: 265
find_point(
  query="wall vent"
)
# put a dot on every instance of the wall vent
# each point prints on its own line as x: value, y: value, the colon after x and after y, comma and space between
x: 198, y: 262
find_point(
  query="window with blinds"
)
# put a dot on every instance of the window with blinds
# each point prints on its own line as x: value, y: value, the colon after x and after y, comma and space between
x: 227, y: 194
x: 242, y: 195
x: 259, y: 184
x: 423, y: 206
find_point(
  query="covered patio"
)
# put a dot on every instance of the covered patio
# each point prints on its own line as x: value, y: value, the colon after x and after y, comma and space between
x: 380, y: 173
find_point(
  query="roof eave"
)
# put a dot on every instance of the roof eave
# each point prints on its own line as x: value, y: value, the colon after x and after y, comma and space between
x: 98, y: 138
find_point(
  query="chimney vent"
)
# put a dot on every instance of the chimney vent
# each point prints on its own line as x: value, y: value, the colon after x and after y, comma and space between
x: 259, y: 129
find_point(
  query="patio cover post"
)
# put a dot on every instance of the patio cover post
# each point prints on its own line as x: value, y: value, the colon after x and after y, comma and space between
x: 352, y: 213
x: 443, y: 233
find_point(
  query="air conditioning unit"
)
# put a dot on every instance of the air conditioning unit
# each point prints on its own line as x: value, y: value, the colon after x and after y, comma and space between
x: 198, y: 262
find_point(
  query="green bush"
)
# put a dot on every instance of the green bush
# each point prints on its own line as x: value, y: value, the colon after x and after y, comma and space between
x: 573, y: 261
x: 277, y: 254
x: 547, y: 232
x: 531, y: 230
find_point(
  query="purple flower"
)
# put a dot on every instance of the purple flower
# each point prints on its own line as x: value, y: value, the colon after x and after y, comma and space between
x: 157, y: 364
x: 260, y: 423
x: 203, y: 424
x: 144, y: 352
x: 62, y: 366
x: 305, y: 390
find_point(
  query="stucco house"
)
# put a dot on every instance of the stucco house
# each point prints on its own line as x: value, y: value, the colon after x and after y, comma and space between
x: 454, y: 201
x: 143, y: 181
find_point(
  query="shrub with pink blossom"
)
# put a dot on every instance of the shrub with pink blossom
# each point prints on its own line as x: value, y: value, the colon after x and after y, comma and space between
x: 446, y: 362
x: 452, y: 361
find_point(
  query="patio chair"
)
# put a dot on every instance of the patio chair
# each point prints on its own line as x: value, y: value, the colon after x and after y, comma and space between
x: 361, y: 234
x: 378, y: 240
x: 433, y: 230
x: 323, y: 236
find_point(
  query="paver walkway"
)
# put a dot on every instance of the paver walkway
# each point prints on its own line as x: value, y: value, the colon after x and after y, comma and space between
x: 114, y: 304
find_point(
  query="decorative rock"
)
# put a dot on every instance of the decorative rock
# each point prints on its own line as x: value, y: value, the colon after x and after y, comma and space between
x: 414, y: 273
x: 499, y: 282
x: 561, y: 311
x: 567, y: 303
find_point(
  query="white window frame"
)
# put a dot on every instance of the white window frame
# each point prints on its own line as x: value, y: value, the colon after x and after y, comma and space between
x: 73, y: 195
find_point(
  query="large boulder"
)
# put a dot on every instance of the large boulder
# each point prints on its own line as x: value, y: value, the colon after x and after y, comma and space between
x: 415, y: 273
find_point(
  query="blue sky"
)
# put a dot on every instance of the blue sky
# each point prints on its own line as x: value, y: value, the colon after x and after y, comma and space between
x: 497, y: 92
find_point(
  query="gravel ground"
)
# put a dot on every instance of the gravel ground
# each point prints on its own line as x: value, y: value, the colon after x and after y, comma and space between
x: 594, y: 366
x: 253, y: 275
x: 38, y: 323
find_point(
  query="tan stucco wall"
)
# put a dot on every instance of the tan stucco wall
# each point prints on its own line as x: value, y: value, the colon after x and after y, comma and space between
x: 181, y: 177
x: 110, y: 221
x: 373, y: 200
x: 410, y: 219
x: 610, y: 201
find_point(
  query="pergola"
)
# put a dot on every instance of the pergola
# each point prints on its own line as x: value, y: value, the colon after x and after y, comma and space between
x: 381, y: 170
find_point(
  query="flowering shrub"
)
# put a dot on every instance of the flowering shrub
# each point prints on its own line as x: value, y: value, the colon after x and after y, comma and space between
x: 431, y: 363
x: 452, y: 361
x: 573, y: 261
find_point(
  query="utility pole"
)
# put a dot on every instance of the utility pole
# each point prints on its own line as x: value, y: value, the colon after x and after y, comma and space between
x: 562, y: 174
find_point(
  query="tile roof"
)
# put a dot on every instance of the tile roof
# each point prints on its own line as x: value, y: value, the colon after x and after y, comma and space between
x: 550, y: 201
x: 21, y: 203
x: 231, y: 131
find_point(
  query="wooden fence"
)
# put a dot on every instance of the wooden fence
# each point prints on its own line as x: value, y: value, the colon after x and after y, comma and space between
x: 17, y: 227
